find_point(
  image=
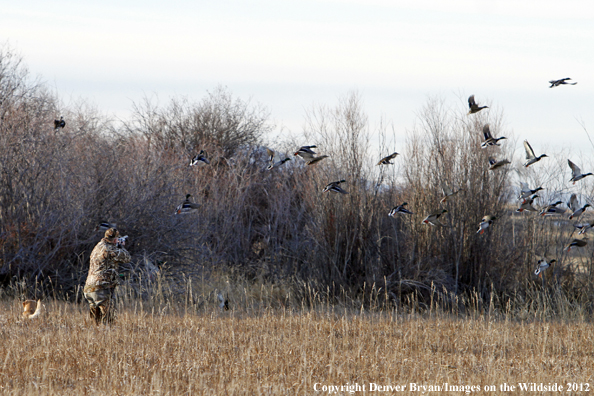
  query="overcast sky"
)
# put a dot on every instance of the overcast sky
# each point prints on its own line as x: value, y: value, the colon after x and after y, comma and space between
x: 288, y: 55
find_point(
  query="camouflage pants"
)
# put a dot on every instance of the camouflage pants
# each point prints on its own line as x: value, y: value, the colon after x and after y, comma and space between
x: 101, y: 304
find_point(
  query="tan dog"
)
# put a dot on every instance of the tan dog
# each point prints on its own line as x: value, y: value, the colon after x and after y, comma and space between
x: 31, y: 309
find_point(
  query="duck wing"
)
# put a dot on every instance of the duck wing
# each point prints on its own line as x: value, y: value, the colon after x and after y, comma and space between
x: 573, y: 203
x: 436, y: 213
x: 314, y: 160
x: 270, y: 154
x: 529, y: 152
x: 487, y: 132
x: 579, y: 243
x: 574, y: 168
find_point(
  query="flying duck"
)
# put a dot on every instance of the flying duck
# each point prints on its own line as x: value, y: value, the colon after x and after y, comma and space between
x: 447, y: 192
x: 59, y: 123
x: 526, y: 204
x: 335, y: 188
x: 386, y: 160
x: 308, y: 155
x: 399, y: 209
x: 573, y: 204
x: 187, y: 206
x: 489, y: 139
x: 530, y: 157
x: 552, y: 209
x: 272, y: 163
x: 526, y: 192
x: 306, y: 152
x: 314, y: 160
x: 474, y: 108
x: 200, y: 159
x: 432, y: 218
x: 563, y: 81
x: 543, y: 265
x: 576, y: 243
x: 494, y: 164
x: 576, y: 173
x: 584, y: 227
x: 485, y: 223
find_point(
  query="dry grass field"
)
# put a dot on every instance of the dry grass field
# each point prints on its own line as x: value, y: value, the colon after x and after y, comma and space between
x: 150, y: 352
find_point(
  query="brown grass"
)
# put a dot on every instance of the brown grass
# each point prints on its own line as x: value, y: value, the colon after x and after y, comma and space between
x: 280, y: 352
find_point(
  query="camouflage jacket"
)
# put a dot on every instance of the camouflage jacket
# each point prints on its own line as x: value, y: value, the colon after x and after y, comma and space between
x: 103, y: 269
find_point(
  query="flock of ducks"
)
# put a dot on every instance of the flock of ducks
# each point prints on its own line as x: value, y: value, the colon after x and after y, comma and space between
x: 526, y: 197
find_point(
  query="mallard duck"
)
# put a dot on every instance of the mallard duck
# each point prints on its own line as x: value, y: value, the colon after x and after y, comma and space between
x: 474, y: 108
x: 272, y: 163
x: 386, y: 160
x: 306, y: 152
x: 334, y: 187
x: 187, y: 206
x: 489, y: 139
x: 104, y: 226
x: 432, y: 218
x: 59, y: 123
x: 494, y: 164
x: 223, y: 302
x: 576, y: 173
x: 200, y: 159
x: 552, y: 209
x: 563, y: 81
x: 447, y: 192
x: 543, y: 265
x: 526, y: 204
x: 584, y: 227
x: 277, y: 163
x: 576, y: 243
x: 399, y: 209
x: 573, y: 204
x: 308, y: 155
x: 526, y: 192
x: 530, y: 157
x: 315, y: 160
x: 485, y: 223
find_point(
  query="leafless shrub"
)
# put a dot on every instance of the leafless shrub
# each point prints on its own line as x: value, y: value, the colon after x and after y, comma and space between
x: 276, y: 226
x: 218, y: 122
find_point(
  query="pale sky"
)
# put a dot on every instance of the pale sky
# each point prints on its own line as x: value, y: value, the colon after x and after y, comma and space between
x: 289, y: 55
